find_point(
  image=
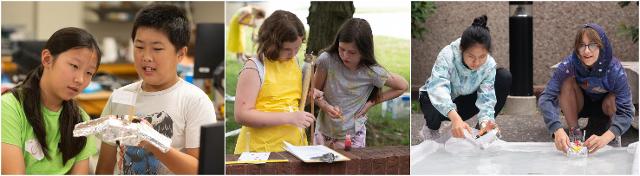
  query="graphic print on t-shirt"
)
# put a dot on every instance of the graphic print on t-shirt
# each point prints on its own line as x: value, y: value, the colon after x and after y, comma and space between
x: 139, y: 161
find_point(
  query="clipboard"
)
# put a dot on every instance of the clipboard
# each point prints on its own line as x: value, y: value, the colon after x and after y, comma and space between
x: 306, y: 153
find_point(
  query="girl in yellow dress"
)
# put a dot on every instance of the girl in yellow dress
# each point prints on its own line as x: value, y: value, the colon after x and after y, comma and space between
x: 245, y: 16
x: 269, y: 89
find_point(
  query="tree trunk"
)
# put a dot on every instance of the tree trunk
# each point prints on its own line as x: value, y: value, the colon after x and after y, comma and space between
x: 325, y: 18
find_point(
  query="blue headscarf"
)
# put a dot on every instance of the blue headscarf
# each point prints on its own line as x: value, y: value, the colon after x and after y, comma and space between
x: 605, y: 76
x: 595, y: 81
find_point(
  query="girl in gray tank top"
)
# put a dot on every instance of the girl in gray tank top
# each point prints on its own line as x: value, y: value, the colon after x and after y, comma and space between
x: 352, y: 82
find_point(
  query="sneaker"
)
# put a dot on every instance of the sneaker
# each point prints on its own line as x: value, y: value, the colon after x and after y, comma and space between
x: 429, y: 134
x: 616, y: 142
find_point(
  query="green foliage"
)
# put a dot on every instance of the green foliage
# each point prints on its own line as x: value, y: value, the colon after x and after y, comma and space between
x: 420, y: 11
x: 630, y: 31
x: 625, y: 3
x: 415, y: 106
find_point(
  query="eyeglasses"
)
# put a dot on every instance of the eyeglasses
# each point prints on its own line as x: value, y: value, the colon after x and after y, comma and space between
x: 590, y: 46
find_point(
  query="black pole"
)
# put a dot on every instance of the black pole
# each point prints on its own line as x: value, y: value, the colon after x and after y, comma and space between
x: 521, y: 50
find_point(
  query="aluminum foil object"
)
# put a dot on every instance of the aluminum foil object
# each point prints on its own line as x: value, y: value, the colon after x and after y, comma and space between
x: 122, y: 129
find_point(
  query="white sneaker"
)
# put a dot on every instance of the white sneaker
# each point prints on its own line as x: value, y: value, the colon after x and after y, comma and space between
x: 616, y: 142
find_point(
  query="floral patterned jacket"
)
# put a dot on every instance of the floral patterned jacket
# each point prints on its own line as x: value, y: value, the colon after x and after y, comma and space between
x: 450, y: 79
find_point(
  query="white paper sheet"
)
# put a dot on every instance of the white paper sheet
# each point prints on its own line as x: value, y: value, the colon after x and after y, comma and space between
x: 124, y: 97
x: 254, y: 156
x: 305, y: 153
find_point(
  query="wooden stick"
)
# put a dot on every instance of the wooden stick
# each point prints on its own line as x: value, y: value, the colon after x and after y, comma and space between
x: 313, y: 71
x: 307, y: 74
x: 307, y: 84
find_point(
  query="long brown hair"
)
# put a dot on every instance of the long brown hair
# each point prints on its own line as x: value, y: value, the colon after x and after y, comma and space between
x: 281, y: 26
x: 28, y: 93
x: 592, y: 34
x: 358, y: 31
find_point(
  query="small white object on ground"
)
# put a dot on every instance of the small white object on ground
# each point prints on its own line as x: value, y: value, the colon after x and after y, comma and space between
x: 254, y: 156
x: 470, y: 146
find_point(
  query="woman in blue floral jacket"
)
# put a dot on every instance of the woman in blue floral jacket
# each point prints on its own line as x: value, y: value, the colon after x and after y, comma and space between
x: 464, y: 82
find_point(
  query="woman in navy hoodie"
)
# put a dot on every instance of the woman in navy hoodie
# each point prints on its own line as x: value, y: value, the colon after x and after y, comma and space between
x: 588, y: 83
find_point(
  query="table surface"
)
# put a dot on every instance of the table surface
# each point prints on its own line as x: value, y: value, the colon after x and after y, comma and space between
x: 370, y: 160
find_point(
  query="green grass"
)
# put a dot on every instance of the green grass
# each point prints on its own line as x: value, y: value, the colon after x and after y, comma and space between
x: 392, y: 53
x: 230, y: 125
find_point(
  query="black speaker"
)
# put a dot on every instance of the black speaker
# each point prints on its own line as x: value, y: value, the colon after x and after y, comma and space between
x: 27, y: 55
x: 212, y: 150
x: 209, y: 49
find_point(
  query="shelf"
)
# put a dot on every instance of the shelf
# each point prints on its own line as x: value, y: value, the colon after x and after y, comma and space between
x: 114, y: 14
x: 118, y: 69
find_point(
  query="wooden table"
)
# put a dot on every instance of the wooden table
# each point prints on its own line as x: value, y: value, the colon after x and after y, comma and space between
x: 7, y: 65
x: 93, y: 103
x: 393, y: 160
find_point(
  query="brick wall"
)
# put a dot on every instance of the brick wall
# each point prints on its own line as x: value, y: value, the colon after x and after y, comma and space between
x: 374, y: 160
x: 555, y: 25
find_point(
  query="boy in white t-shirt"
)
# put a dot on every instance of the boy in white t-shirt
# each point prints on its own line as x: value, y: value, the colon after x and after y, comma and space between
x: 172, y: 106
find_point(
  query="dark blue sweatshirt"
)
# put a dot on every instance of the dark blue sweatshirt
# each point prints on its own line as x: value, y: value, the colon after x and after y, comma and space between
x: 606, y: 76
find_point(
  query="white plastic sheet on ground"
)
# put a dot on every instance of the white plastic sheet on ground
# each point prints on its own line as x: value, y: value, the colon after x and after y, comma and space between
x: 430, y: 157
x: 633, y: 148
x: 470, y: 146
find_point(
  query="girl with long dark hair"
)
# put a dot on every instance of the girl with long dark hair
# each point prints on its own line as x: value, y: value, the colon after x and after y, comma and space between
x: 38, y: 115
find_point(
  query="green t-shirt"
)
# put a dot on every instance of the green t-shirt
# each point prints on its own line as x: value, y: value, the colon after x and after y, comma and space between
x: 17, y: 131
